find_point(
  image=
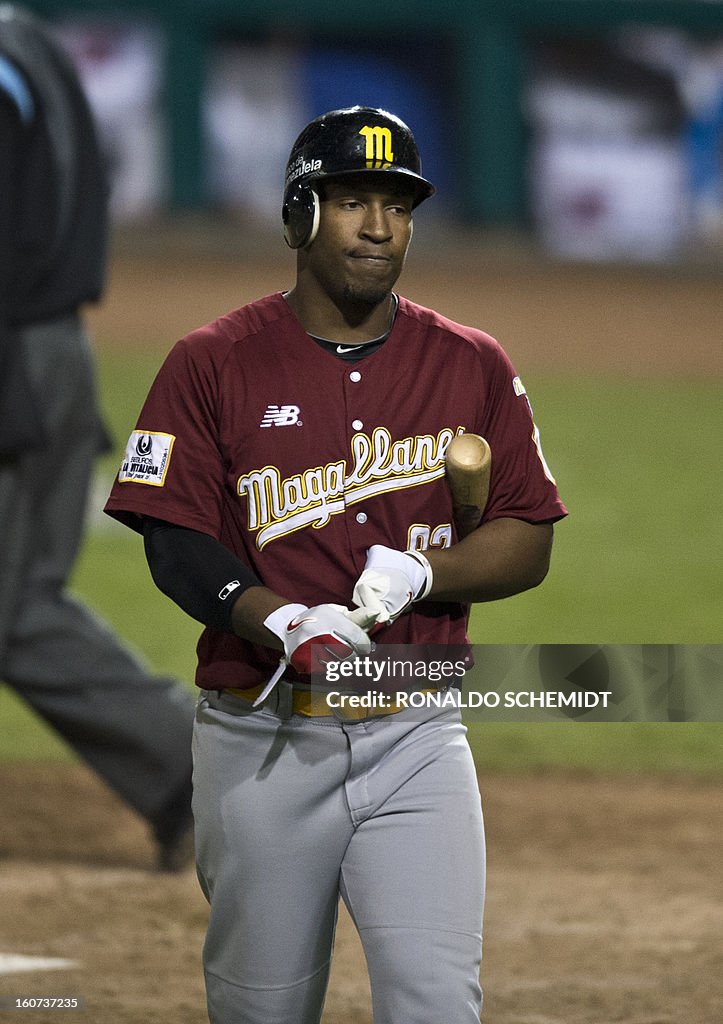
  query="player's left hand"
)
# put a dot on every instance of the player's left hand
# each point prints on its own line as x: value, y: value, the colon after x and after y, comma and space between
x: 391, y: 582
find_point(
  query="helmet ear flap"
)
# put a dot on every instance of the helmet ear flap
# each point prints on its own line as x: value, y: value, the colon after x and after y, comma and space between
x: 300, y: 214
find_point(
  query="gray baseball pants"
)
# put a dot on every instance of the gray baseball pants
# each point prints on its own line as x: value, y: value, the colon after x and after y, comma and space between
x: 292, y: 813
x: 134, y: 729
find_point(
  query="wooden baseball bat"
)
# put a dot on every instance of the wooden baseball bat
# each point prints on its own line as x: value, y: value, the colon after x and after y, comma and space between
x: 468, y: 469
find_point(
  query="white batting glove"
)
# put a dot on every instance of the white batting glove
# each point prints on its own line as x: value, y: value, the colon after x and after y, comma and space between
x: 325, y: 625
x: 391, y: 582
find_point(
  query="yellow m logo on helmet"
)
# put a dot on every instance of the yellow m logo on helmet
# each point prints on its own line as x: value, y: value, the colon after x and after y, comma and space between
x: 378, y: 146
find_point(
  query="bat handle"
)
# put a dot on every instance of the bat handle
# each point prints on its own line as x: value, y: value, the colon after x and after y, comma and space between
x: 362, y: 617
x: 466, y: 519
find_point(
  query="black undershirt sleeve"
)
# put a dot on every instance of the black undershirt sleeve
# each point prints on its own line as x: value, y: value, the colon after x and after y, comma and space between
x: 196, y: 571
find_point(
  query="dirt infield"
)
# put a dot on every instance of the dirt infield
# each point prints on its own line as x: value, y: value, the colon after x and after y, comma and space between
x: 625, y: 320
x: 604, y: 905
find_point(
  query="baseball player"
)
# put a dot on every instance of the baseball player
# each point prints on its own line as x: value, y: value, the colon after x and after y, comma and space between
x: 288, y: 467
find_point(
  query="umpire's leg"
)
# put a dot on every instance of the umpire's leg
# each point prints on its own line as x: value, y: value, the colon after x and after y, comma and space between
x: 133, y: 729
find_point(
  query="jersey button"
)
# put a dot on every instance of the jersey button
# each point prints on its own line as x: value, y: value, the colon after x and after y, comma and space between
x: 355, y: 376
x: 361, y: 517
x: 357, y: 424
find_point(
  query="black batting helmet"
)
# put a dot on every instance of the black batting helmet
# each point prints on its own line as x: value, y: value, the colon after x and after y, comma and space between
x: 348, y: 141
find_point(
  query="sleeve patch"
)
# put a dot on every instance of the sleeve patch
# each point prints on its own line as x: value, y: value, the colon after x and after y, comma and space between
x: 146, y: 458
x: 519, y: 387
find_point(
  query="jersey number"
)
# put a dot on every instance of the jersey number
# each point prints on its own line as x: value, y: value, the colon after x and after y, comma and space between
x: 421, y: 538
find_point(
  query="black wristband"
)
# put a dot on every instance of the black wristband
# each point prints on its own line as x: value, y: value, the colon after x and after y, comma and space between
x: 196, y: 571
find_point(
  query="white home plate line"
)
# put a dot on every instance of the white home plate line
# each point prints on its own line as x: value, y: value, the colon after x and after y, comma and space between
x: 15, y: 963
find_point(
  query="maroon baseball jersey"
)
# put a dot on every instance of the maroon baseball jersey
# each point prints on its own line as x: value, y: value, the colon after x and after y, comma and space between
x: 299, y: 461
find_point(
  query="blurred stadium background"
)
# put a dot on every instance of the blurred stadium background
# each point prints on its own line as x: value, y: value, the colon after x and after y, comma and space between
x: 596, y: 124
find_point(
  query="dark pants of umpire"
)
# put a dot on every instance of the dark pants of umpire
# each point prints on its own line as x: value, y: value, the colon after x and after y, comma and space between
x: 132, y: 728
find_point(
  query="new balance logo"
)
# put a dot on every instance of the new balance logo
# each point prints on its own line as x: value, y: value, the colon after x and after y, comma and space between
x: 281, y: 416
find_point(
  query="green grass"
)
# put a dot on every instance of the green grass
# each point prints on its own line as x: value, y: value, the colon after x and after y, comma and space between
x: 638, y: 561
x: 626, y: 747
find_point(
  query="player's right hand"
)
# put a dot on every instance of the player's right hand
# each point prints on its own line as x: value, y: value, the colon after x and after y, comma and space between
x: 309, y: 635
